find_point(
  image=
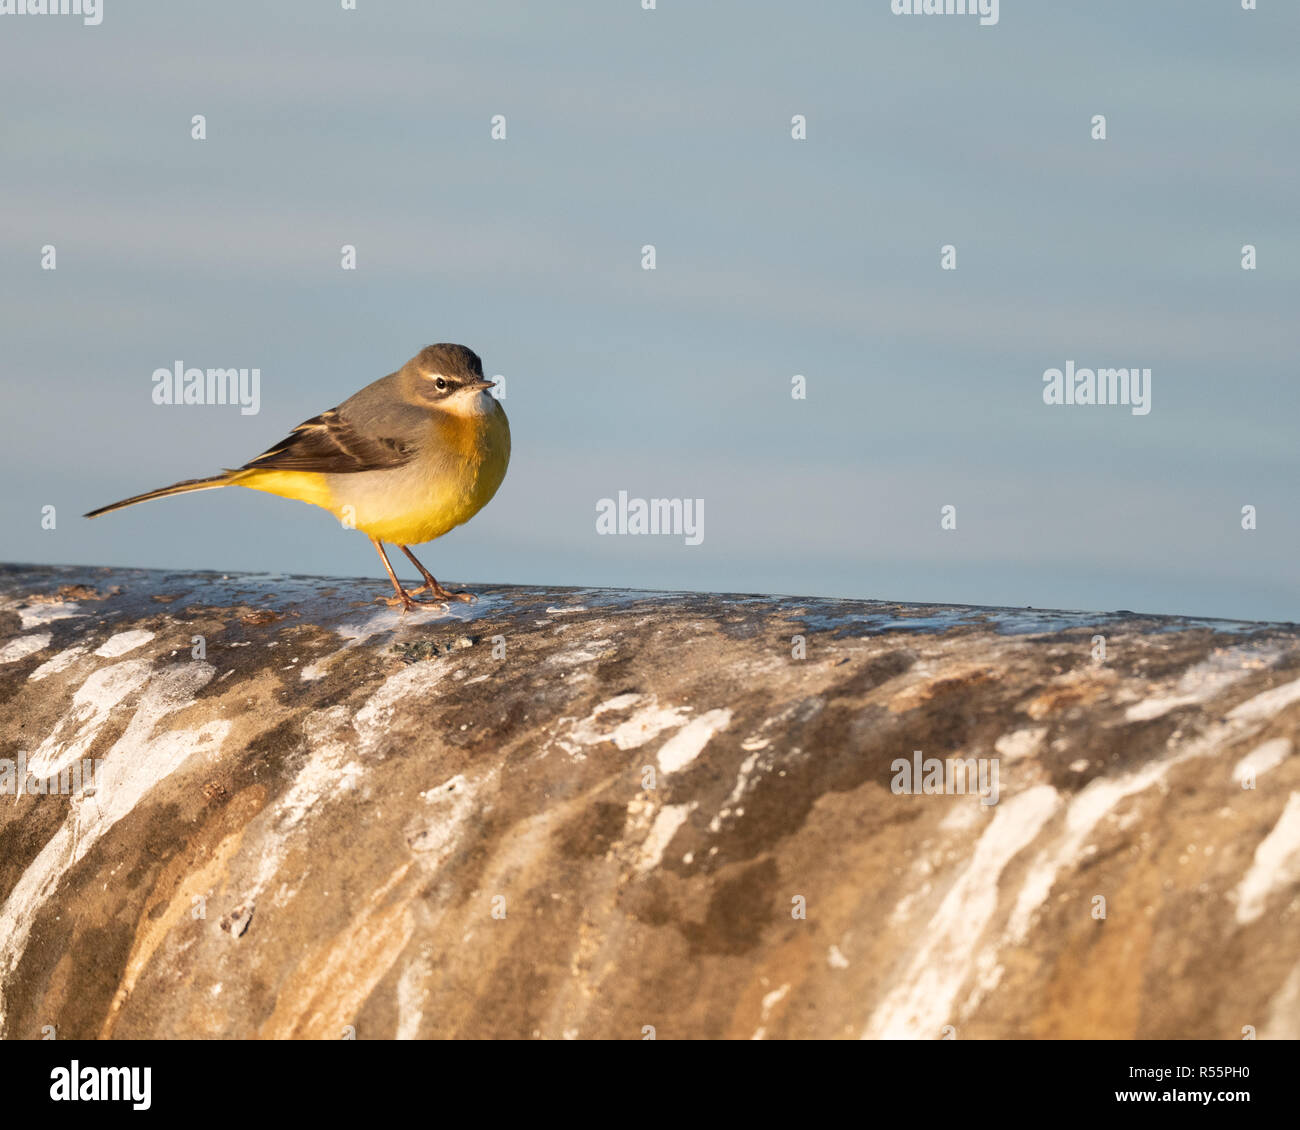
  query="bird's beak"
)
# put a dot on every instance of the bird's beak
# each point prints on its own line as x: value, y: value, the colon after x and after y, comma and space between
x: 476, y: 385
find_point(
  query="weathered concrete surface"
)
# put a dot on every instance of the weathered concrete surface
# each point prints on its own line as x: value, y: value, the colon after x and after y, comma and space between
x: 313, y: 826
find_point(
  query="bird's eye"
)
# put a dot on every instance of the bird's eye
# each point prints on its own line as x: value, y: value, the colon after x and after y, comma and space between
x: 439, y: 384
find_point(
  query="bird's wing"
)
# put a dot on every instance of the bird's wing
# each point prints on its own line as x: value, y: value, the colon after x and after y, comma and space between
x: 331, y: 444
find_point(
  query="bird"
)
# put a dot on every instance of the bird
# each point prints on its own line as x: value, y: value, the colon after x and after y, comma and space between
x: 404, y: 460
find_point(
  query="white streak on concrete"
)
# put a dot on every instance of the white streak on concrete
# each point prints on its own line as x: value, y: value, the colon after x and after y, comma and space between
x: 1276, y: 864
x: 60, y: 662
x: 1283, y: 1021
x: 329, y: 768
x: 375, y: 717
x: 689, y: 742
x: 123, y: 642
x: 664, y: 828
x: 746, y: 771
x: 960, y: 818
x: 332, y: 768
x: 451, y: 805
x: 24, y: 646
x: 1266, y: 705
x: 922, y: 999
x: 92, y: 704
x: 738, y: 790
x: 1202, y: 682
x: 1150, y: 708
x: 1021, y: 743
x: 138, y: 760
x: 410, y: 998
x: 1265, y: 756
x: 1086, y: 809
x: 36, y: 614
x: 1099, y: 798
x: 647, y: 722
x: 597, y: 649
x: 1201, y: 690
x: 770, y: 1001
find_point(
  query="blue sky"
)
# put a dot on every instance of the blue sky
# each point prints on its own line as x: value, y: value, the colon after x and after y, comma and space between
x: 774, y: 257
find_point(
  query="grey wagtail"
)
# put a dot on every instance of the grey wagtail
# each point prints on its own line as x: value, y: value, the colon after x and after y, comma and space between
x: 406, y: 459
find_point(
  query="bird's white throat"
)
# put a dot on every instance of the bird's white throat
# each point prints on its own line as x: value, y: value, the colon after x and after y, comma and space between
x: 469, y: 402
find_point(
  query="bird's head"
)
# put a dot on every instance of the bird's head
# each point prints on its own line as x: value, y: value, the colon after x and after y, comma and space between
x: 449, y: 377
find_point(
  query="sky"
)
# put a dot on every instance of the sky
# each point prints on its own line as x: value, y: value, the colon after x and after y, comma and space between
x: 773, y: 257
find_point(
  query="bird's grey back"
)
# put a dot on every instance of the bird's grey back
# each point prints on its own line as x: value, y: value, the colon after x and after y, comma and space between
x: 380, y: 409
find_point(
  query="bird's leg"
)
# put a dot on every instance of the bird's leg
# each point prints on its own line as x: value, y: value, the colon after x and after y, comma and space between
x: 432, y: 585
x: 403, y: 597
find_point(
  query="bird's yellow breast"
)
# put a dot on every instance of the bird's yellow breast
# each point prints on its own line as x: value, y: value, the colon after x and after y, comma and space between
x: 458, y: 466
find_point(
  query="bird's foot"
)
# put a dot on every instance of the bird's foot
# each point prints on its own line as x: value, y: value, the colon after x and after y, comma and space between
x: 406, y: 601
x: 443, y: 595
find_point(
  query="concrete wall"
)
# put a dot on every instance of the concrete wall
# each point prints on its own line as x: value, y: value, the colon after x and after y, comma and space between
x: 588, y: 813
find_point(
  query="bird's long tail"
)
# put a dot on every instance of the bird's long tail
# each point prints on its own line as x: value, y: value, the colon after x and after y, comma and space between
x: 222, y: 480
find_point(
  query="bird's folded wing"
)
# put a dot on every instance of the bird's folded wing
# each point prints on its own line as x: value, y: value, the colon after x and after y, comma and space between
x: 329, y: 444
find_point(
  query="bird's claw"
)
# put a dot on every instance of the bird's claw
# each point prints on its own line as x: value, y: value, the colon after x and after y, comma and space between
x: 443, y: 595
x: 407, y: 601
